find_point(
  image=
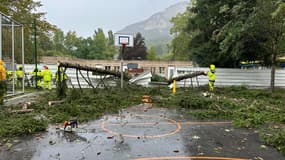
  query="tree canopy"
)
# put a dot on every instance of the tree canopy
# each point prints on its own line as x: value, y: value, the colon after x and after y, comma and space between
x: 139, y: 51
x: 227, y: 32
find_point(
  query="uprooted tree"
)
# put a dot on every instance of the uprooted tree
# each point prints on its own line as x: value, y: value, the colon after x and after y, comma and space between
x: 61, y: 84
x: 186, y: 76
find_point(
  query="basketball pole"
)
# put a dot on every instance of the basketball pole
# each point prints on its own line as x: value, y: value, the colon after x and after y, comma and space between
x: 122, y: 74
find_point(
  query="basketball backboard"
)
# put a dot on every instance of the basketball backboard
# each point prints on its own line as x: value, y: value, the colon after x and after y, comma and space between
x: 121, y: 38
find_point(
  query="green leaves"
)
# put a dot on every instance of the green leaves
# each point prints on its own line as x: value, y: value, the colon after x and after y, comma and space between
x: 230, y: 31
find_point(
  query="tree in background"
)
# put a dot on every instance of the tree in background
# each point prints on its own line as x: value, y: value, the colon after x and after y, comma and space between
x: 226, y: 32
x: 71, y: 42
x: 58, y: 42
x: 273, y: 13
x: 84, y: 47
x: 151, y: 54
x: 99, y: 45
x: 139, y: 51
x: 25, y: 11
x: 179, y: 46
x: 111, y: 49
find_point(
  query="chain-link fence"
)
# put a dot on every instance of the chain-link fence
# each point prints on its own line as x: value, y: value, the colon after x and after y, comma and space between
x: 12, y: 53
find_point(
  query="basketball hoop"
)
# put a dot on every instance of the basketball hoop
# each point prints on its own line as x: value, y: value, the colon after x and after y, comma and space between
x: 124, y: 40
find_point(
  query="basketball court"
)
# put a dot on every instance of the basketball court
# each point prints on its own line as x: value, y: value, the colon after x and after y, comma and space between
x: 144, y: 133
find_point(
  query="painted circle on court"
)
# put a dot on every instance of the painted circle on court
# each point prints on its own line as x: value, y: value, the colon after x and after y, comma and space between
x: 171, y: 121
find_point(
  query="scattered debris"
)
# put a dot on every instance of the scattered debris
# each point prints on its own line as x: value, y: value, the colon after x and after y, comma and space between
x: 98, y: 153
x: 243, y: 140
x: 18, y: 149
x: 218, y: 149
x: 22, y: 111
x: 82, y: 155
x: 176, y: 151
x: 50, y: 103
x: 110, y: 137
x: 196, y: 137
x: 263, y: 147
x: 56, y: 156
x: 9, y: 146
x: 51, y: 142
x: 120, y: 139
x: 16, y: 141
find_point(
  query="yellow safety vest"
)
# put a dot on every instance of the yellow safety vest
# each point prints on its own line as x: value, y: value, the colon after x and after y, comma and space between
x: 62, y: 76
x: 212, y: 76
x: 19, y: 73
x: 2, y: 72
x: 47, y: 75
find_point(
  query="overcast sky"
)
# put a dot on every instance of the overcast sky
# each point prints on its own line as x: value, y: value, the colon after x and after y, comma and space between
x: 84, y: 16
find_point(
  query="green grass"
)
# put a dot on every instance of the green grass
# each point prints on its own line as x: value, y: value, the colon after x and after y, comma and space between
x: 85, y: 105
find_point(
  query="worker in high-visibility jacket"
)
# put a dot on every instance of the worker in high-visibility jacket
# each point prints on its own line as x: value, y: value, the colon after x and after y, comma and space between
x: 20, y: 75
x: 10, y: 75
x: 2, y: 82
x: 47, y: 77
x: 62, y: 76
x: 212, y: 77
x: 37, y: 80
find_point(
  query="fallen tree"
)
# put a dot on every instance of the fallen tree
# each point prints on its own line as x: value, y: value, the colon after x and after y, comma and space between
x: 186, y: 76
x: 94, y: 69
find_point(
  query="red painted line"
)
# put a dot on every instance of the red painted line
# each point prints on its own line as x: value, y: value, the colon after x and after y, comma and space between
x: 189, y: 157
x: 178, y: 128
x: 167, y: 123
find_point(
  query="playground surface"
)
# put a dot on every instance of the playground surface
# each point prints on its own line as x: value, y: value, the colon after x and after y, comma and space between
x: 144, y: 133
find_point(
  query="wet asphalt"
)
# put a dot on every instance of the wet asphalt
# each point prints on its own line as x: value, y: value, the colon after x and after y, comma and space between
x: 143, y: 133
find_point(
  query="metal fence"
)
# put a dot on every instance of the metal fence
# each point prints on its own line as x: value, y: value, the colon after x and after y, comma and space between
x: 259, y: 78
x: 12, y: 49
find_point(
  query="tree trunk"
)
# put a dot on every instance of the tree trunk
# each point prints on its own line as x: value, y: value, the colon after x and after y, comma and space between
x: 186, y: 76
x: 273, y: 69
x: 93, y: 69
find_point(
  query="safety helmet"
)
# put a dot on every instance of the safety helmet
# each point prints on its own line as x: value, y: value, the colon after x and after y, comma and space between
x: 212, y: 67
x: 1, y: 62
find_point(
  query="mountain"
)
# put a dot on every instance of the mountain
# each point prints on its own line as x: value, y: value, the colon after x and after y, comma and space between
x: 156, y: 29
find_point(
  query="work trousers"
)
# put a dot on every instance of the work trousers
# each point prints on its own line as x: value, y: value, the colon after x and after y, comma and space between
x: 211, y: 86
x: 47, y: 83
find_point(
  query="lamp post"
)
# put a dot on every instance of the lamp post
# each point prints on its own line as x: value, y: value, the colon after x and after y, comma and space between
x: 36, y: 52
